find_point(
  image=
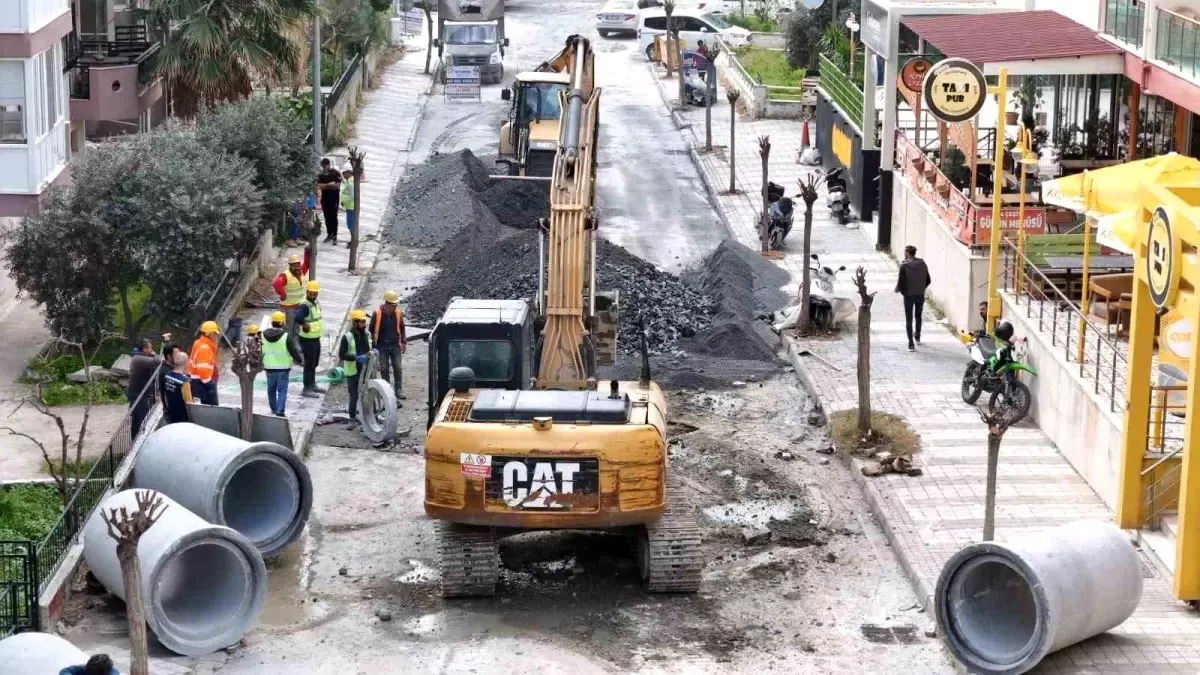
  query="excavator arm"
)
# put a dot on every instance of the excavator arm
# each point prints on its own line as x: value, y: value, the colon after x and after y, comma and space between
x: 566, y: 355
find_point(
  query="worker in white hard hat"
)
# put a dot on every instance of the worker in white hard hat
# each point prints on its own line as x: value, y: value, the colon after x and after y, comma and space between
x: 387, y: 334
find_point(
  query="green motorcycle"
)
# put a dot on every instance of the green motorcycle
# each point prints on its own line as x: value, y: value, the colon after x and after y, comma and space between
x: 985, y: 372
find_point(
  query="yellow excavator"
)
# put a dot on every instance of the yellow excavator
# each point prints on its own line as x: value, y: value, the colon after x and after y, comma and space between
x: 521, y: 435
x: 529, y: 136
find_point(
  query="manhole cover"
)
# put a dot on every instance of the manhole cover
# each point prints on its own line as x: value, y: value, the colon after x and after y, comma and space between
x: 901, y: 634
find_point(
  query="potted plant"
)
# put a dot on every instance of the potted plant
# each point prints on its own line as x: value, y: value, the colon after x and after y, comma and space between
x: 1029, y: 97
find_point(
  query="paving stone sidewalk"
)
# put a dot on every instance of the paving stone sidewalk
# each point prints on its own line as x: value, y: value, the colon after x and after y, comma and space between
x: 928, y: 518
x: 386, y: 126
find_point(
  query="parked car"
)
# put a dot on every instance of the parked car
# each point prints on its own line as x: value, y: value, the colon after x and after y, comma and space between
x: 693, y: 25
x: 617, y: 16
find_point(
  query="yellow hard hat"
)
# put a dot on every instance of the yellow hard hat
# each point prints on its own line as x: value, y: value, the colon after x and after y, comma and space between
x: 391, y: 296
x: 278, y: 317
x: 209, y: 327
x: 313, y: 286
x: 252, y: 329
x: 294, y: 259
x: 358, y: 315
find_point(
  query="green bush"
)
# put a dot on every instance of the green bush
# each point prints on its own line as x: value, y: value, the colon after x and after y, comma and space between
x: 769, y: 66
x: 755, y: 23
x: 28, y: 511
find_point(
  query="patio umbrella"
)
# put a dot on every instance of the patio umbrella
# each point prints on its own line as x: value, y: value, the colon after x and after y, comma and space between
x: 1113, y: 188
x: 1118, y: 231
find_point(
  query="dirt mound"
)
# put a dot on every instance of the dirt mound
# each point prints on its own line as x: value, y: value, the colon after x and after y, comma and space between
x: 437, y: 199
x: 517, y: 203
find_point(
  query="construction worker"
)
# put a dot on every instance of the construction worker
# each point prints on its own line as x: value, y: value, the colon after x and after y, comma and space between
x: 354, y: 357
x: 203, y: 366
x: 278, y: 351
x: 387, y: 334
x: 177, y: 390
x: 348, y: 201
x: 308, y: 317
x: 289, y: 285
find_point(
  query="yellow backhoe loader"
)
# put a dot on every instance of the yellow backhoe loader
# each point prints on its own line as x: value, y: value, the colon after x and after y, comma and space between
x: 521, y: 435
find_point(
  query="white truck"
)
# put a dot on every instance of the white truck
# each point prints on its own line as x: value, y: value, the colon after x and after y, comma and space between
x: 471, y: 33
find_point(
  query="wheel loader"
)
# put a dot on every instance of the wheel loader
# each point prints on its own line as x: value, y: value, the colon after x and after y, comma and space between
x: 522, y: 436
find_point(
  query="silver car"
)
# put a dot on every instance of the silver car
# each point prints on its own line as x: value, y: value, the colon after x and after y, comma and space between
x: 617, y: 16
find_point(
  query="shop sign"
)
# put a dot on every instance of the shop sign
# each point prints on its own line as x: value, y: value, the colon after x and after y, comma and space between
x: 875, y: 29
x: 912, y: 75
x: 843, y: 147
x: 462, y: 83
x: 1179, y: 338
x: 1010, y: 219
x: 954, y: 90
x: 1164, y: 253
x: 952, y: 208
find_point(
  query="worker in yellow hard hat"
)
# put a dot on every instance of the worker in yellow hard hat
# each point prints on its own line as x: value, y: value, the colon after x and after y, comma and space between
x: 279, y: 350
x: 354, y: 352
x: 308, y: 317
x: 387, y: 334
x: 289, y: 286
x: 202, y: 364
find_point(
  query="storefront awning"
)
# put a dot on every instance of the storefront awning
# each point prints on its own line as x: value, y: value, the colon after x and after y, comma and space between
x: 1041, y: 42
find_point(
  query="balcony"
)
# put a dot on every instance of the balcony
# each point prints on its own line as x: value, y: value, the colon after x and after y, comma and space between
x: 1124, y: 20
x: 1178, y: 43
x: 112, y: 80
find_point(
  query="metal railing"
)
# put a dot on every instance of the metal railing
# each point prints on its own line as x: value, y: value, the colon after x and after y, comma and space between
x: 1164, y: 446
x: 1177, y: 42
x: 340, y: 85
x: 842, y: 91
x: 985, y: 139
x: 18, y: 588
x: 1098, y: 356
x: 1124, y: 20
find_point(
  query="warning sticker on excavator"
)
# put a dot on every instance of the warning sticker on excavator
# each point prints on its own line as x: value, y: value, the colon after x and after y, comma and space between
x: 475, y: 466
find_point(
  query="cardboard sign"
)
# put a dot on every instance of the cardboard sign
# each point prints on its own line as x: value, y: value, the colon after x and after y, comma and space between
x: 954, y: 90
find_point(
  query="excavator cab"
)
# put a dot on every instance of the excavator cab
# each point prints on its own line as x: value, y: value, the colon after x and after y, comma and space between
x: 529, y: 137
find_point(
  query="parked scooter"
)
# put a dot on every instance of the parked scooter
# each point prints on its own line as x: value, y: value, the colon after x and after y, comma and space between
x: 838, y: 199
x: 781, y: 212
x: 827, y: 309
x: 993, y: 371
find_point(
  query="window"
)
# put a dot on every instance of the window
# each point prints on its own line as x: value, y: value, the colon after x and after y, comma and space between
x: 478, y: 34
x: 656, y: 22
x: 12, y: 101
x: 490, y: 359
x: 52, y: 74
x: 690, y: 24
x: 540, y: 101
x: 717, y: 21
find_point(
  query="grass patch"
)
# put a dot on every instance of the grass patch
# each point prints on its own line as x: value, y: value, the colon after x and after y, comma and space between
x: 769, y: 67
x: 85, y: 467
x: 28, y: 511
x: 54, y: 368
x: 888, y: 432
x: 753, y: 22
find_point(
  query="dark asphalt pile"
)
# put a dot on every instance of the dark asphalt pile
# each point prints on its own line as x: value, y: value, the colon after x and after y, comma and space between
x: 517, y: 203
x: 437, y: 199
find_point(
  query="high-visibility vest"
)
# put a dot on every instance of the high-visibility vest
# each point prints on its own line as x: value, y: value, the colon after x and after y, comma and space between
x: 377, y: 318
x: 275, y: 354
x: 294, y: 288
x: 348, y: 194
x: 350, y: 367
x: 315, y: 331
x: 202, y: 362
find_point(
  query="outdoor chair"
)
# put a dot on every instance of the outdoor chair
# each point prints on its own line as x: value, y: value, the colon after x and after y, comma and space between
x: 1105, y: 295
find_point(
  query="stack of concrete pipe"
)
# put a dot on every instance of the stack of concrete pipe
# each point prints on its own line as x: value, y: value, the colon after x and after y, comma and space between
x: 1003, y: 607
x: 228, y: 504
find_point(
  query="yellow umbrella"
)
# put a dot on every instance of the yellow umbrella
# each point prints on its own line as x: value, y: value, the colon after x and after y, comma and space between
x: 1118, y: 231
x: 1113, y: 188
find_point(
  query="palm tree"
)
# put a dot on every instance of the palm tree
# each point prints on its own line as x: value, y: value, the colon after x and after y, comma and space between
x: 216, y: 50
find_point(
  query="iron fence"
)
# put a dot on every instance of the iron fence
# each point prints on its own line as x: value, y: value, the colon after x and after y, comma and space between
x: 340, y: 85
x: 1164, y: 445
x: 18, y: 588
x: 1100, y: 358
x: 842, y: 91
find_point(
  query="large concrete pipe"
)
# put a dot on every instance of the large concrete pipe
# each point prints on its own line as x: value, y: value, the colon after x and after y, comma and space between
x: 38, y: 654
x: 203, y: 585
x: 1003, y: 607
x: 262, y: 490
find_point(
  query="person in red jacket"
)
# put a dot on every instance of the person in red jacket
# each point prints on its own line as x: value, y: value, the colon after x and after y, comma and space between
x: 289, y: 286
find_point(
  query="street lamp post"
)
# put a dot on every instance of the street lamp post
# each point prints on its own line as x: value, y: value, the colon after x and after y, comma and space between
x: 852, y: 24
x: 1024, y: 155
x: 993, y: 311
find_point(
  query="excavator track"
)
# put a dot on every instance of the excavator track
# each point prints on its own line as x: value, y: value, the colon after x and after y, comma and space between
x: 469, y: 559
x: 670, y: 556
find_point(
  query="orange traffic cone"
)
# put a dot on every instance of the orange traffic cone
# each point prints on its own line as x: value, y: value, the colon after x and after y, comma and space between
x: 804, y: 134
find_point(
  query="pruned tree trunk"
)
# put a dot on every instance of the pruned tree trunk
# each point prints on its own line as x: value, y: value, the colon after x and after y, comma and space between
x: 732, y: 95
x: 764, y: 153
x: 708, y: 88
x: 127, y: 529
x: 428, y: 34
x: 864, y: 352
x: 356, y: 165
x: 312, y: 235
x: 247, y: 364
x: 808, y: 192
x: 127, y: 316
x: 679, y: 60
x: 997, y: 424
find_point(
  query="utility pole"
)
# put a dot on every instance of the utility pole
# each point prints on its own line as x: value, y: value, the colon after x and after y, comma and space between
x: 318, y: 139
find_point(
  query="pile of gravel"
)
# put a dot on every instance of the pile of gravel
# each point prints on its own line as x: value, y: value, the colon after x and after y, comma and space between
x: 437, y: 199
x: 517, y: 203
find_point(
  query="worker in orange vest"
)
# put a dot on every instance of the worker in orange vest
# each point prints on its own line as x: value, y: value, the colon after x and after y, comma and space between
x: 387, y: 334
x: 289, y: 285
x: 202, y: 364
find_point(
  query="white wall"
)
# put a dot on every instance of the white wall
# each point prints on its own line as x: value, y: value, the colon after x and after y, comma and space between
x: 27, y: 16
x: 1086, y: 12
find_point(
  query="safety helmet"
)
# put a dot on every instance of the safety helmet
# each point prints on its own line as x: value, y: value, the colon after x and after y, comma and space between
x: 347, y: 168
x: 1004, y: 330
x: 294, y: 259
x: 391, y: 296
x: 278, y: 317
x: 210, y: 327
x: 252, y: 329
x: 358, y: 315
x: 313, y: 286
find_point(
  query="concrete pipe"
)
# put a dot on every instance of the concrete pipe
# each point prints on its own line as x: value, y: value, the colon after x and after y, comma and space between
x: 38, y: 654
x: 262, y: 490
x: 1003, y: 607
x: 203, y: 585
x: 379, y: 413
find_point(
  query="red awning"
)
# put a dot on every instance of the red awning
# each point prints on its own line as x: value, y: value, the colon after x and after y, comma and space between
x: 1009, y: 36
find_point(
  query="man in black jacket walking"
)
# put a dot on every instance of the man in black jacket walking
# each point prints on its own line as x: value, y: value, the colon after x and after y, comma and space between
x: 914, y: 279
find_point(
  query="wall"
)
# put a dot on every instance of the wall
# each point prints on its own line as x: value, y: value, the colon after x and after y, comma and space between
x: 1078, y: 423
x: 863, y: 165
x: 1086, y: 12
x: 958, y: 276
x: 29, y: 16
x: 731, y: 74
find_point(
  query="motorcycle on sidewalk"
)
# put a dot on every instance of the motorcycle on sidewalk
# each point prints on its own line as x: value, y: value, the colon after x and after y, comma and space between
x: 781, y: 212
x: 986, y: 373
x: 838, y: 199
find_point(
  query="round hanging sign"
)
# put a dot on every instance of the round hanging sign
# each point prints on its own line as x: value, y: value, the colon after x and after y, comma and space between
x: 1163, y: 260
x: 913, y: 73
x: 954, y: 90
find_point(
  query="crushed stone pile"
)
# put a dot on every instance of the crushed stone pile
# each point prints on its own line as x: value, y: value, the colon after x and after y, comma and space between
x: 517, y: 203
x: 437, y: 199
